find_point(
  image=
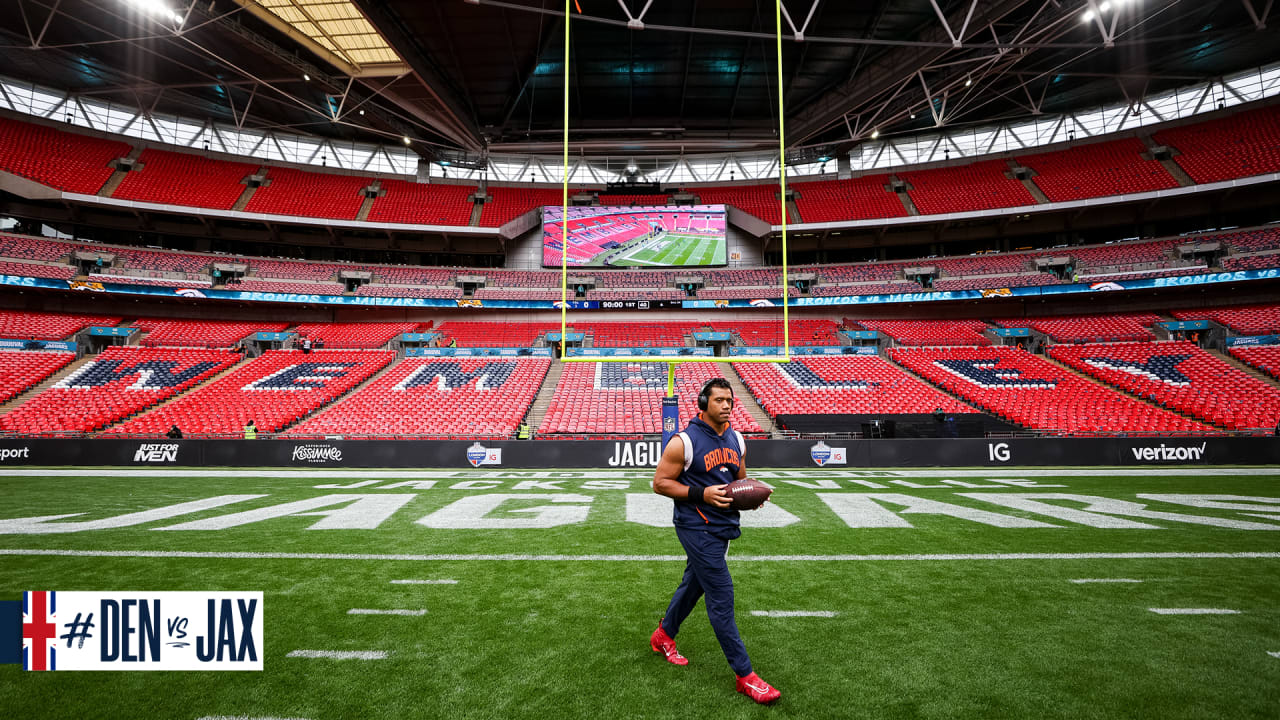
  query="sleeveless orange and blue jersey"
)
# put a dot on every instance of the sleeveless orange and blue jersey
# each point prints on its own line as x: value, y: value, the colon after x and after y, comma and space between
x: 709, y: 459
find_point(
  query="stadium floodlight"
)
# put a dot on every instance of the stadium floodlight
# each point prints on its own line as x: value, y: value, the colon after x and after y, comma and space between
x: 875, y: 134
x: 406, y: 140
x: 1087, y: 16
x: 157, y: 8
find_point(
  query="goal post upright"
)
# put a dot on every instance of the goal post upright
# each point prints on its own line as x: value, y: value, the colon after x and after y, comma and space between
x: 564, y: 236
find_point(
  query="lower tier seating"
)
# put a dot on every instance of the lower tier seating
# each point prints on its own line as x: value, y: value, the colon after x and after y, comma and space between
x: 1089, y: 328
x: 200, y: 333
x: 275, y: 390
x: 22, y: 369
x: 627, y: 398
x: 473, y: 397
x: 1180, y: 376
x: 846, y: 384
x: 1244, y: 319
x: 355, y: 335
x: 928, y: 332
x: 26, y: 325
x: 1025, y: 389
x: 121, y: 381
x: 1263, y: 357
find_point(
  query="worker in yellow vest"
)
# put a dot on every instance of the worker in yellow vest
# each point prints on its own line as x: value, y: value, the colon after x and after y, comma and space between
x: 250, y: 431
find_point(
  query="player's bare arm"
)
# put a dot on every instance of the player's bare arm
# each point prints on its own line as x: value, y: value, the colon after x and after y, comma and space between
x: 666, y: 479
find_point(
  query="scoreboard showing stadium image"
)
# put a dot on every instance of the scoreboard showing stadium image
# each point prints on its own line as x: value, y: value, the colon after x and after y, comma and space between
x: 635, y: 237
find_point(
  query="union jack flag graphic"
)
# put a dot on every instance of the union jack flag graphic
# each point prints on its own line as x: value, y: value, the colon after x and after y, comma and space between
x: 39, y: 630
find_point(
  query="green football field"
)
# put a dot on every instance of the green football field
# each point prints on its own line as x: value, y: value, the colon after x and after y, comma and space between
x: 897, y: 594
x: 677, y: 249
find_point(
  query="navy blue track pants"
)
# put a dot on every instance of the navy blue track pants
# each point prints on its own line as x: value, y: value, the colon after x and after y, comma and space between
x: 707, y: 573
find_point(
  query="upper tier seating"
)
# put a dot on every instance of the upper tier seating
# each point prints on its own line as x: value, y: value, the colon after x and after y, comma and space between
x: 627, y: 398
x: 632, y: 200
x: 309, y: 194
x: 759, y: 200
x: 412, y: 275
x: 1237, y: 146
x: 184, y: 179
x: 298, y: 269
x: 26, y: 325
x: 522, y: 278
x: 23, y: 369
x: 767, y: 333
x: 473, y: 398
x: 355, y: 335
x: 865, y: 289
x: 508, y: 203
x: 57, y: 272
x: 494, y: 334
x: 1244, y: 319
x: 981, y: 185
x: 200, y: 333
x: 862, y: 272
x: 1027, y: 390
x: 67, y: 161
x: 135, y: 259
x: 1111, y: 327
x: 928, y: 332
x: 159, y: 281
x: 1182, y: 377
x: 408, y: 291
x: 861, y: 198
x: 1251, y: 262
x: 987, y: 264
x: 1122, y: 253
x: 846, y: 384
x: 119, y: 382
x: 1266, y: 238
x: 423, y: 204
x: 23, y: 247
x: 275, y: 390
x: 1263, y: 357
x: 1098, y: 169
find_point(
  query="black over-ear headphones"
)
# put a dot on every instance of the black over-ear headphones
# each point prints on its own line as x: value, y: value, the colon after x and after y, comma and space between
x: 704, y: 399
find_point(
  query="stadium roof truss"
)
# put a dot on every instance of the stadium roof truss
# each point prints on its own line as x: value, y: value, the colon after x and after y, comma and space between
x: 681, y: 89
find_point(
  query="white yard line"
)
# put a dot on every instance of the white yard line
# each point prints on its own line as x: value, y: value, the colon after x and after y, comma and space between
x: 424, y: 582
x: 1274, y: 654
x: 1193, y: 611
x: 339, y: 654
x: 592, y: 474
x: 1082, y: 581
x: 368, y: 611
x: 794, y: 613
x: 520, y: 557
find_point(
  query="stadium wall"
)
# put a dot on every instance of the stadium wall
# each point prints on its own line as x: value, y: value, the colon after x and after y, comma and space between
x: 867, y: 455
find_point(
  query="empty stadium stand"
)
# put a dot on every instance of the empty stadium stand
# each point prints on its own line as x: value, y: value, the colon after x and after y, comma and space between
x: 119, y: 382
x: 309, y: 194
x: 507, y: 203
x: 1114, y: 167
x: 200, y: 333
x: 626, y: 398
x: 1235, y: 146
x: 27, y: 325
x: 275, y: 390
x: 980, y: 185
x: 638, y: 334
x: 1180, y: 376
x: 928, y: 332
x: 175, y: 178
x: 1262, y: 319
x: 63, y: 160
x: 759, y: 200
x: 804, y: 331
x: 1025, y: 389
x: 494, y: 334
x: 462, y: 398
x: 41, y: 270
x: 847, y: 384
x: 421, y: 203
x: 356, y: 335
x: 1263, y: 357
x: 1112, y: 327
x: 23, y: 247
x: 22, y: 369
x: 284, y: 286
x: 860, y: 198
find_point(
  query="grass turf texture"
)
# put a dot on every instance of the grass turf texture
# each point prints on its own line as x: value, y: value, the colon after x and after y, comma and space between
x: 568, y: 639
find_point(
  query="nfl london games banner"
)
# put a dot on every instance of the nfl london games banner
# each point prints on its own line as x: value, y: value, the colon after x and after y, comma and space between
x: 140, y: 630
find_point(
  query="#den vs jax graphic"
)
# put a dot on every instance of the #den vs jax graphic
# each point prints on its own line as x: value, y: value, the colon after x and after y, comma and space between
x: 133, y: 631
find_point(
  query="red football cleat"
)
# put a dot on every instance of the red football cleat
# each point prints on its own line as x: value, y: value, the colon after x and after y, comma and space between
x: 756, y: 689
x: 661, y: 642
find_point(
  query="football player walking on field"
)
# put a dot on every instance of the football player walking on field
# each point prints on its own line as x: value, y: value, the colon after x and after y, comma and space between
x: 694, y: 469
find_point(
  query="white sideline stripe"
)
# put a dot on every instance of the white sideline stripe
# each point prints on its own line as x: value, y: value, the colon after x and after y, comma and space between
x: 424, y: 582
x: 794, y: 613
x: 1081, y: 581
x: 367, y: 611
x: 340, y: 654
x: 1193, y: 611
x: 591, y: 474
x: 517, y: 557
x: 1273, y: 654
x: 244, y: 717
